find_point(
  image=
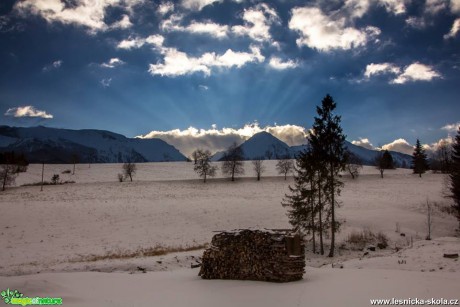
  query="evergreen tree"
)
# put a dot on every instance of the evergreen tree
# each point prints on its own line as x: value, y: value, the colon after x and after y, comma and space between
x: 303, y: 199
x: 455, y: 174
x: 313, y: 197
x: 327, y: 142
x: 419, y: 161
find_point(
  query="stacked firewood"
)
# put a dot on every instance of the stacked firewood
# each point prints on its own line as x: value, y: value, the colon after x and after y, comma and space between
x: 265, y: 255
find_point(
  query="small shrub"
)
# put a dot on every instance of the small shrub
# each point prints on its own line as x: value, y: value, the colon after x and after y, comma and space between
x: 158, y: 250
x: 67, y: 171
x: 21, y: 168
x: 55, y: 179
x: 358, y: 240
x: 382, y: 240
x: 121, y: 177
x: 46, y: 183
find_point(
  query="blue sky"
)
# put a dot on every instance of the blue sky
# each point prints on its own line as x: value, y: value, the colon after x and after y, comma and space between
x: 157, y: 68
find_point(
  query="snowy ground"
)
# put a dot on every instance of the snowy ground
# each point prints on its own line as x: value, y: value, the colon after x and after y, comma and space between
x: 56, y: 232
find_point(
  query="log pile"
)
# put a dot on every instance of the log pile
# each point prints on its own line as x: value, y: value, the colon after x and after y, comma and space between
x: 264, y: 255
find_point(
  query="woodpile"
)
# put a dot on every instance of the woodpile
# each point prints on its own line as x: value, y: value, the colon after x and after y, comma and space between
x: 264, y: 255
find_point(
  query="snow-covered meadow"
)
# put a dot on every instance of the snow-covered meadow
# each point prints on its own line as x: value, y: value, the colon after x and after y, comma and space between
x: 58, y: 231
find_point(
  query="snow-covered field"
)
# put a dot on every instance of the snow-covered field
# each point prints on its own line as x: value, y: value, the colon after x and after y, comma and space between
x: 56, y: 232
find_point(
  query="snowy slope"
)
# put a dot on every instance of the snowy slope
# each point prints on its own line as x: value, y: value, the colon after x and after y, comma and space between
x: 58, y: 145
x: 46, y: 234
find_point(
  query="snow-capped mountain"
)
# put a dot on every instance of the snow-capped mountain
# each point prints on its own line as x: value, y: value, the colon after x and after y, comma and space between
x: 53, y: 145
x: 265, y: 146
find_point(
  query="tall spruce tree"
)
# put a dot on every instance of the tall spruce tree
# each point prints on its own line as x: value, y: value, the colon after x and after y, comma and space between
x: 305, y: 200
x: 419, y: 161
x: 455, y: 174
x: 327, y: 144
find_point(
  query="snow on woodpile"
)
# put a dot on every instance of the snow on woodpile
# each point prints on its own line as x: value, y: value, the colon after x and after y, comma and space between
x: 264, y: 255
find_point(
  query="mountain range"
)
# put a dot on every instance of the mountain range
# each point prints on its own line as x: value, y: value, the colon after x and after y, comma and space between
x: 264, y: 145
x: 52, y: 145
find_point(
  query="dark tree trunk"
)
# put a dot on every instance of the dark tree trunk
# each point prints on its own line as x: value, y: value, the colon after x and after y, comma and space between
x: 320, y: 210
x: 4, y: 180
x: 331, y: 251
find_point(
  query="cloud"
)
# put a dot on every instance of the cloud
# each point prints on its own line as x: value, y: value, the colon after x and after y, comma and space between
x: 393, y: 6
x: 363, y: 143
x: 416, y: 72
x: 27, y: 111
x: 112, y: 63
x: 197, y: 5
x: 123, y: 23
x: 106, y: 82
x: 433, y: 7
x: 454, y: 30
x: 85, y: 13
x: 277, y: 63
x: 165, y: 8
x: 203, y: 87
x: 358, y: 8
x: 455, y: 6
x: 178, y: 63
x: 431, y: 148
x: 209, y: 28
x: 137, y: 42
x: 382, y: 68
x: 173, y: 23
x: 325, y: 33
x: 399, y: 145
x: 416, y: 22
x: 55, y: 65
x: 413, y: 72
x: 258, y: 21
x: 220, y: 139
x: 451, y: 128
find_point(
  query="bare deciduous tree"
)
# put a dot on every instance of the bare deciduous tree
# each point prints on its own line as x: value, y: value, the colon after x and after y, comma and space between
x: 129, y: 169
x: 429, y: 219
x: 203, y: 165
x: 384, y: 161
x: 7, y: 175
x: 259, y: 168
x: 75, y: 159
x: 233, y: 164
x: 354, y: 164
x: 285, y: 166
x: 195, y: 156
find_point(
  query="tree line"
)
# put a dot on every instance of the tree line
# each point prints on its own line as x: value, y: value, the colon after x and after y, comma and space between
x: 233, y: 164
